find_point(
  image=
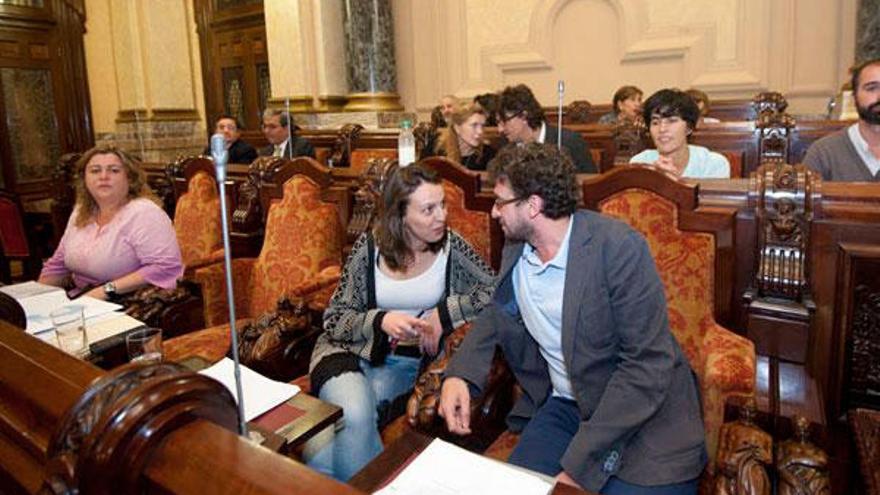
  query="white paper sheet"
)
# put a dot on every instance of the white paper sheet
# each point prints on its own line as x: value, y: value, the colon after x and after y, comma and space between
x: 28, y: 289
x: 446, y: 469
x: 109, y: 325
x: 37, y: 308
x: 260, y: 393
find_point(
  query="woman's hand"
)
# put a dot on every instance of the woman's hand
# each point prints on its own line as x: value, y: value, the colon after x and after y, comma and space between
x: 97, y: 293
x: 401, y: 326
x: 431, y: 330
x: 666, y: 164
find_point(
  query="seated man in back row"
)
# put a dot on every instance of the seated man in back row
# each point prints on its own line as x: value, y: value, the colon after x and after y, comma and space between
x: 521, y: 120
x: 853, y: 154
x: 609, y: 401
x: 239, y: 151
x: 280, y: 134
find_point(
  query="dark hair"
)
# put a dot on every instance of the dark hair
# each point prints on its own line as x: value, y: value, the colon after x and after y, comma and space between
x: 519, y: 99
x: 857, y: 71
x: 490, y: 102
x: 539, y: 169
x: 624, y: 93
x: 230, y: 117
x: 137, y: 181
x: 672, y: 103
x: 389, y: 229
x: 437, y: 119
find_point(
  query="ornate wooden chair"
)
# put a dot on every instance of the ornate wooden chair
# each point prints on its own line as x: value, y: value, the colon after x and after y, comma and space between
x: 692, y: 250
x: 14, y: 243
x: 197, y: 213
x: 301, y: 253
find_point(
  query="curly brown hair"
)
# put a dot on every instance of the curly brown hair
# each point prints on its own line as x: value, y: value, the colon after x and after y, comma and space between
x: 542, y: 170
x: 137, y: 182
x: 389, y: 229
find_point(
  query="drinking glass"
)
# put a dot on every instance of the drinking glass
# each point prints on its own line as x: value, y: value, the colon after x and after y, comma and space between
x: 70, y: 329
x: 145, y: 345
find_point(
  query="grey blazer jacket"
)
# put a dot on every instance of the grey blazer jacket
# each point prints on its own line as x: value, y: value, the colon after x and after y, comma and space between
x: 639, y: 403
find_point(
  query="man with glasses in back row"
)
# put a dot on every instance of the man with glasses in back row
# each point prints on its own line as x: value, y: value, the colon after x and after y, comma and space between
x: 521, y: 120
x: 609, y: 402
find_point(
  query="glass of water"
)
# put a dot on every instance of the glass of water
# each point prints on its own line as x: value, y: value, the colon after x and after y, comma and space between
x: 70, y: 329
x: 145, y: 345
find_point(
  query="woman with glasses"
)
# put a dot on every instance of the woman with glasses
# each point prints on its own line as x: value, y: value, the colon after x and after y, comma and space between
x: 405, y: 286
x: 118, y: 239
x: 671, y: 116
x: 462, y: 142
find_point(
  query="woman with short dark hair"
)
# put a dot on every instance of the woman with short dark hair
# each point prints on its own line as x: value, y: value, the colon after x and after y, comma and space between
x: 625, y: 105
x: 405, y: 285
x: 671, y: 116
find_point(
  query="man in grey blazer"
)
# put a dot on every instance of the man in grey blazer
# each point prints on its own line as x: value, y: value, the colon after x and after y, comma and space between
x: 609, y: 400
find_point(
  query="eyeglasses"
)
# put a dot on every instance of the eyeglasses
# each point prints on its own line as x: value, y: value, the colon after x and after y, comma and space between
x: 506, y: 118
x: 501, y: 203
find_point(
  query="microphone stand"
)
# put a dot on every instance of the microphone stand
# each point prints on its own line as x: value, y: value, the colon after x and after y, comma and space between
x: 289, y: 129
x: 561, y: 90
x: 220, y: 166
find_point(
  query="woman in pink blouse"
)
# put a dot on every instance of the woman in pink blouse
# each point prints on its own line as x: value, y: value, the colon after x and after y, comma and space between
x: 117, y: 239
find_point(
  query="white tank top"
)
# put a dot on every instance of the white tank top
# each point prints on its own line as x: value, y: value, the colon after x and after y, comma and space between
x: 413, y: 295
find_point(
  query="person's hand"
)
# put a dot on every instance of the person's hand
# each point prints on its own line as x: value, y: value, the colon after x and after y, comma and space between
x: 401, y: 326
x: 97, y: 293
x: 455, y: 405
x: 431, y: 330
x: 563, y: 477
x: 666, y: 164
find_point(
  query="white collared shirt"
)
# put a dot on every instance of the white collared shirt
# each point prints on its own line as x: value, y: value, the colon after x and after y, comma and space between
x: 539, y: 288
x: 861, y: 146
x: 279, y: 149
x: 542, y: 136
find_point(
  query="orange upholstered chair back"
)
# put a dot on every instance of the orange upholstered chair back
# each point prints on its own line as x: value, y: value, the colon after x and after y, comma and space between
x: 360, y: 157
x: 685, y: 262
x: 197, y: 219
x: 473, y: 225
x: 303, y: 236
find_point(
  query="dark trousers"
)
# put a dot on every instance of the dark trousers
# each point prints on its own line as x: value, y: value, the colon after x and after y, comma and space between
x: 546, y: 437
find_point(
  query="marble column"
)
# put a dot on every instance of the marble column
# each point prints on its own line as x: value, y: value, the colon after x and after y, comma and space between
x: 868, y: 30
x: 369, y: 53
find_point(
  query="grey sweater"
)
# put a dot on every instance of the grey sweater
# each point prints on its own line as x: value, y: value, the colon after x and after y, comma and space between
x: 835, y: 158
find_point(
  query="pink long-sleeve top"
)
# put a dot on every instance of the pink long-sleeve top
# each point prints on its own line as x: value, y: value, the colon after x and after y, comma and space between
x: 140, y: 237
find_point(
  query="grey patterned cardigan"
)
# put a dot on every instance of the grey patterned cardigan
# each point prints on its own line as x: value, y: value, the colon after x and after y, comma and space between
x: 353, y: 324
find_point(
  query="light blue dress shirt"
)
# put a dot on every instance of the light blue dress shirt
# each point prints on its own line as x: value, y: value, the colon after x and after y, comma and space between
x: 539, y: 288
x: 702, y: 163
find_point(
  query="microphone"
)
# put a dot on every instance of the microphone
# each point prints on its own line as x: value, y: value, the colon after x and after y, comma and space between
x: 560, y: 88
x: 221, y: 158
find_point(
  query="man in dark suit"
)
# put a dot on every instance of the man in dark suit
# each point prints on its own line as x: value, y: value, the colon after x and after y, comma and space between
x: 609, y: 400
x: 521, y: 120
x: 239, y: 151
x: 279, y: 133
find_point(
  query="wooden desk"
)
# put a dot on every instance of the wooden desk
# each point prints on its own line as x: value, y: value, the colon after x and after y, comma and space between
x: 866, y: 429
x: 387, y: 465
x: 295, y: 421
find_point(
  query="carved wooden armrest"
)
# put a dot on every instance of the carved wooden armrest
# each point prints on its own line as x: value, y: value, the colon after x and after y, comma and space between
x: 487, y: 411
x: 176, y: 311
x: 264, y: 343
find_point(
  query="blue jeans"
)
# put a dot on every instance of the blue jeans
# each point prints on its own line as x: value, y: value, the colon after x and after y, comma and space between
x: 360, y: 396
x: 545, y: 439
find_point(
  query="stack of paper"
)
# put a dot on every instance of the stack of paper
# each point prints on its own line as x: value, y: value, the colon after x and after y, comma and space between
x: 39, y: 300
x: 260, y: 393
x: 446, y: 469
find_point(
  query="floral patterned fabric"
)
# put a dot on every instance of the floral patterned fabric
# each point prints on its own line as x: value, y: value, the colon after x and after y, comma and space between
x: 359, y: 158
x: 472, y: 225
x: 723, y: 360
x: 303, y: 237
x: 197, y: 221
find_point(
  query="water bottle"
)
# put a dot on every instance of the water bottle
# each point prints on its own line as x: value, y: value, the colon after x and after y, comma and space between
x: 406, y: 144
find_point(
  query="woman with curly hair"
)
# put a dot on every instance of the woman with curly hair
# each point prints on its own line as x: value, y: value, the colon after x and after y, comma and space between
x: 118, y: 239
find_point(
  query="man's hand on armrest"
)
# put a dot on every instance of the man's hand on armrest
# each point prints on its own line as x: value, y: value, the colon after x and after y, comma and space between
x: 455, y: 405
